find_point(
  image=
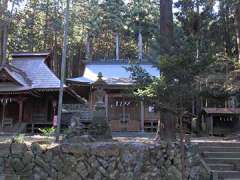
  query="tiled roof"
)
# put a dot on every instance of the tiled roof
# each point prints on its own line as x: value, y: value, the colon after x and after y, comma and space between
x: 113, y: 74
x: 16, y: 74
x: 31, y: 72
x: 38, y: 72
x: 222, y: 110
x: 29, y: 54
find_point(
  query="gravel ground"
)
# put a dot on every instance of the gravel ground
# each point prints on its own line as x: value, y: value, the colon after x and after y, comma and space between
x: 117, y: 136
x: 121, y: 137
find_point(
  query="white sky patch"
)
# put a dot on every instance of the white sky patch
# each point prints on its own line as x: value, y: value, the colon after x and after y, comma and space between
x: 17, y: 7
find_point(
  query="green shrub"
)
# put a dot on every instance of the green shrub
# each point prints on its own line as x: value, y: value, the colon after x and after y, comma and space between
x: 19, y: 138
x: 47, y: 131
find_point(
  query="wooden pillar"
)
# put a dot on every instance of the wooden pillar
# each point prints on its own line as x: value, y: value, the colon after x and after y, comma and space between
x: 54, y: 105
x: 124, y: 116
x: 142, y: 116
x: 91, y: 98
x: 54, y: 116
x: 3, y: 112
x: 211, y: 125
x: 20, y: 116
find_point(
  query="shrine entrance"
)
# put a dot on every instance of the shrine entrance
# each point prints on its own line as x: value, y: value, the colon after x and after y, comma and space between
x: 124, y: 113
x: 219, y: 121
x: 11, y: 112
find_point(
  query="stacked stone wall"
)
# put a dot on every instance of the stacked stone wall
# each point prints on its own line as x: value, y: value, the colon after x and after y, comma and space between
x: 91, y: 161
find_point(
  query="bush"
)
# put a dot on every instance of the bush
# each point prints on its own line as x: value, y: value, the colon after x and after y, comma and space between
x: 47, y: 131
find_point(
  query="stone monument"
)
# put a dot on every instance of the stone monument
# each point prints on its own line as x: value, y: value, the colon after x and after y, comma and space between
x: 101, y: 128
x: 97, y: 128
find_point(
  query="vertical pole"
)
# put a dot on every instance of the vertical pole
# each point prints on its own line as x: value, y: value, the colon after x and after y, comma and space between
x: 142, y: 116
x: 117, y: 46
x: 63, y: 67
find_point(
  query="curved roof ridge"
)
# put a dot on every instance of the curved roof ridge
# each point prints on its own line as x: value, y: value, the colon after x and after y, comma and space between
x: 20, y: 72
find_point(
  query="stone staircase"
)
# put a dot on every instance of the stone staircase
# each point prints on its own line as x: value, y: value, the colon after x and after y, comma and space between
x: 222, y: 160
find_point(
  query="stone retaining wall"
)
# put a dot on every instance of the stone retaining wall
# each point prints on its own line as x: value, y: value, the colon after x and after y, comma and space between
x: 91, y: 161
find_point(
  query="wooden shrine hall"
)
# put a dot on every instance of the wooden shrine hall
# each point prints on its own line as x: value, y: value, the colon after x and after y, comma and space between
x: 123, y: 112
x: 219, y: 121
x: 29, y: 92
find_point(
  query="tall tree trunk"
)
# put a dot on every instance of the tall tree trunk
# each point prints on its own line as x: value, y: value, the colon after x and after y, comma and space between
x: 197, y: 32
x: 3, y: 31
x: 225, y: 13
x: 117, y: 46
x: 76, y: 61
x: 1, y: 43
x: 168, y: 126
x: 88, y: 48
x: 63, y: 66
x: 167, y: 118
x: 166, y: 26
x: 46, y: 40
x: 55, y: 60
x: 237, y: 23
x: 4, y: 46
x: 140, y: 46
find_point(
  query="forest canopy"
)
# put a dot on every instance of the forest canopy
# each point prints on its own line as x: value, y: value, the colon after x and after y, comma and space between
x: 204, y: 28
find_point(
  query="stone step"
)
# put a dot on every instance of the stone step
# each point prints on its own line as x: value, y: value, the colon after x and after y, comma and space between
x: 228, y: 174
x: 207, y: 154
x: 222, y: 160
x: 219, y: 149
x: 221, y: 167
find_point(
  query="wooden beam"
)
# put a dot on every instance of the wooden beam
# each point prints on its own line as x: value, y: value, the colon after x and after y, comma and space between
x: 211, y: 125
x: 20, y: 101
x: 20, y: 116
x: 142, y: 116
x: 3, y: 112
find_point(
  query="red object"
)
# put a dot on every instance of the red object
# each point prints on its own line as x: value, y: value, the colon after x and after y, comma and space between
x: 55, y: 120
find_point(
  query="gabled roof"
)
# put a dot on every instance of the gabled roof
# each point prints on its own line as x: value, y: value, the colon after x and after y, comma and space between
x: 37, y: 71
x: 222, y: 110
x: 31, y: 72
x: 15, y: 75
x: 113, y: 74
